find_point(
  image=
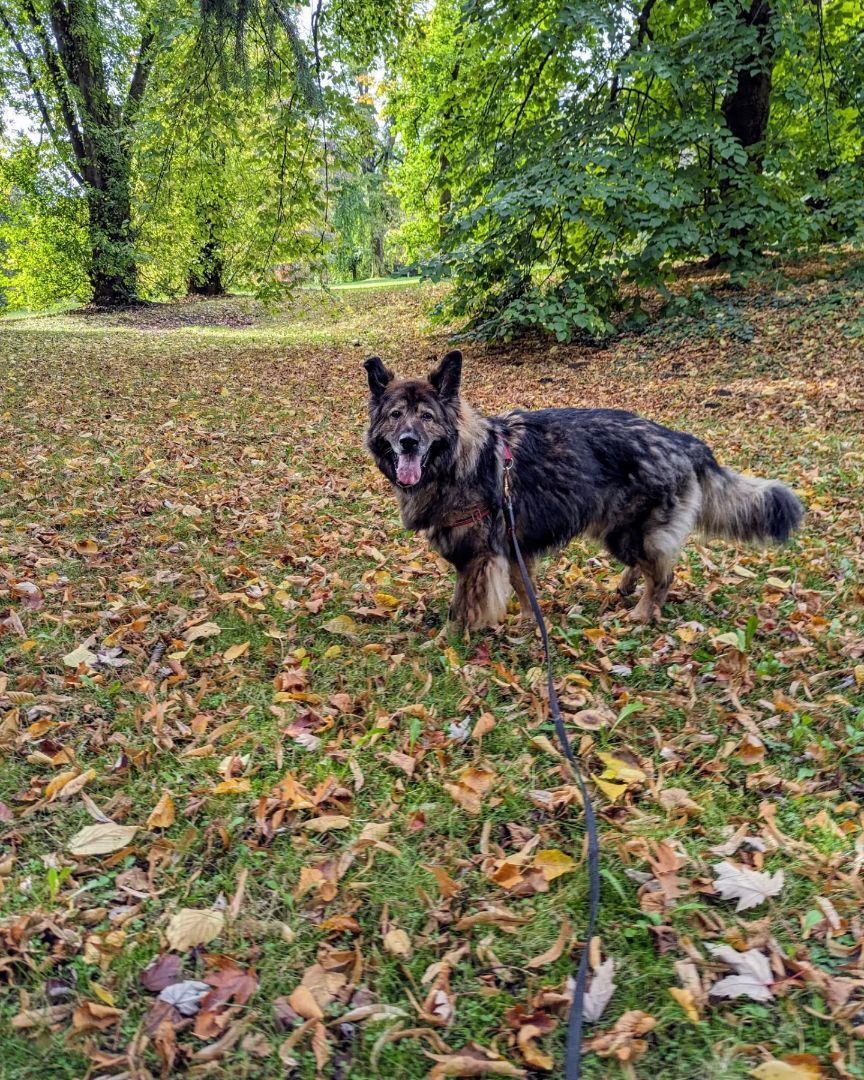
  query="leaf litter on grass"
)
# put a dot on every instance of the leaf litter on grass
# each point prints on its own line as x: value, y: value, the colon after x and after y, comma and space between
x: 367, y: 850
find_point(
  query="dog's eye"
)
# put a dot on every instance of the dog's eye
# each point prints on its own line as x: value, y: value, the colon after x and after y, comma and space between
x: 427, y: 416
x: 395, y: 414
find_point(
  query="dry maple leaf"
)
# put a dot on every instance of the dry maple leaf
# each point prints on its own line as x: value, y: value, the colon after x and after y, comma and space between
x: 749, y: 887
x: 753, y: 976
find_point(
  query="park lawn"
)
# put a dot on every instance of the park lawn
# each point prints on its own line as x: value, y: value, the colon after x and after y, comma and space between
x: 323, y: 784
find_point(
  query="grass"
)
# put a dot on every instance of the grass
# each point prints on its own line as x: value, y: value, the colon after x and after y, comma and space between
x: 203, y: 463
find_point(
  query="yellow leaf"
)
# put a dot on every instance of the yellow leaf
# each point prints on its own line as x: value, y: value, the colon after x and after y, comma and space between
x: 162, y: 814
x: 101, y: 839
x: 105, y: 996
x: 552, y: 863
x: 234, y: 786
x: 793, y: 1067
x: 859, y: 674
x: 59, y: 782
x: 191, y: 927
x: 342, y: 624
x: 86, y: 547
x: 452, y: 657
x: 235, y: 651
x: 383, y: 599
x: 686, y: 1001
x: 332, y: 652
x: 617, y: 769
x: 613, y: 792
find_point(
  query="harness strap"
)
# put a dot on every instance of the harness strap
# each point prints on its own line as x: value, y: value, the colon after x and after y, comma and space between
x: 474, y: 517
x: 576, y: 1018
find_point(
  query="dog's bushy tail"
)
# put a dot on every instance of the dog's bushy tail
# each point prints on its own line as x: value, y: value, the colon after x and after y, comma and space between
x: 736, y: 507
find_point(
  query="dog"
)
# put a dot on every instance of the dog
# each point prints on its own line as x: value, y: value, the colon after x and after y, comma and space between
x: 635, y: 486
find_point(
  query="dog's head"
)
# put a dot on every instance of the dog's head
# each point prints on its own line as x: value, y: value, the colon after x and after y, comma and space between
x: 413, y: 423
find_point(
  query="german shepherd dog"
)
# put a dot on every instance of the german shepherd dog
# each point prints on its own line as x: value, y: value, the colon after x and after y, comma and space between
x: 610, y: 475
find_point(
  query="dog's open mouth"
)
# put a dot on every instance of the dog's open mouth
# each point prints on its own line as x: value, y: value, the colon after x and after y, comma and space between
x: 409, y: 468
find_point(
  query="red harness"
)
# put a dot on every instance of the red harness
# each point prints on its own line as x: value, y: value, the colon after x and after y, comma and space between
x: 476, y: 516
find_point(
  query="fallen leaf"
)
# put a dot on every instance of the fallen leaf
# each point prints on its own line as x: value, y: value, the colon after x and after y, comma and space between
x: 81, y: 655
x: 793, y: 1067
x: 618, y: 769
x: 623, y: 1041
x: 555, y: 950
x: 327, y: 823
x: 235, y: 651
x: 342, y: 624
x: 202, y: 630
x: 553, y: 863
x: 599, y: 992
x: 749, y: 887
x: 687, y: 1002
x: 397, y: 943
x: 161, y: 972
x: 185, y: 996
x: 485, y: 724
x: 753, y: 976
x: 94, y: 1016
x: 303, y: 1002
x: 191, y: 927
x: 101, y: 839
x: 162, y: 814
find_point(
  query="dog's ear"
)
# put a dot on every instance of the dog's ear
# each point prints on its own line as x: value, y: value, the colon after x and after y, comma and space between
x: 379, y: 376
x: 448, y: 375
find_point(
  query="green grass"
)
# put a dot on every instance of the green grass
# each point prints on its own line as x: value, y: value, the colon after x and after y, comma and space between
x: 213, y: 454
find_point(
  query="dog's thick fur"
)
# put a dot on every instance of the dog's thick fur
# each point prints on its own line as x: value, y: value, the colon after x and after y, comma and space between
x: 637, y: 487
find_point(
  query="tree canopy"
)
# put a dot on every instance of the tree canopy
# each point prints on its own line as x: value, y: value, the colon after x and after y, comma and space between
x: 554, y: 159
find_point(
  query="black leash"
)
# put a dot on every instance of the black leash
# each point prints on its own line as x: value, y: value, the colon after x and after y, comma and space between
x: 575, y: 1020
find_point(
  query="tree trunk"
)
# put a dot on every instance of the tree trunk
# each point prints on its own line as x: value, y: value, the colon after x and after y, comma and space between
x: 206, y: 277
x: 746, y: 107
x: 113, y: 269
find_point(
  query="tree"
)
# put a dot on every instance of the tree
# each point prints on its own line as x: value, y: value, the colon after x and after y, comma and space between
x: 593, y: 146
x: 82, y: 69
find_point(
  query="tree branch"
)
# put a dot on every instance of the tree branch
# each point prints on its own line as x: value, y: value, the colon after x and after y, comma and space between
x: 55, y: 74
x: 143, y: 67
x: 41, y: 104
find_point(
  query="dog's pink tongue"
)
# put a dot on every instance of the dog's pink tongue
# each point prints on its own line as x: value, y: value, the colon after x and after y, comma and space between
x: 408, y: 469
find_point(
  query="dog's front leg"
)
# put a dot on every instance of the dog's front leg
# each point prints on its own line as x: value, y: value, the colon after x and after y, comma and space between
x: 482, y: 592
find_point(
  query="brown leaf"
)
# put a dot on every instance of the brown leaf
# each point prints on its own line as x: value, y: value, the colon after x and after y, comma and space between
x: 162, y: 971
x: 623, y: 1041
x: 303, y: 1002
x: 555, y: 950
x: 162, y: 814
x: 397, y: 943
x: 94, y: 1016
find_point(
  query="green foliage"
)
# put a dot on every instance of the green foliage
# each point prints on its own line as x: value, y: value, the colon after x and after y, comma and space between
x: 568, y: 155
x: 43, y: 229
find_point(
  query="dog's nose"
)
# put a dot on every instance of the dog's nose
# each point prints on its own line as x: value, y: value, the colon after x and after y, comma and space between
x: 409, y: 442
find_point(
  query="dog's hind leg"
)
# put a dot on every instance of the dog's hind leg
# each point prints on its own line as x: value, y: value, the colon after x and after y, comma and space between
x: 482, y: 592
x: 519, y: 585
x: 665, y: 534
x: 629, y: 580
